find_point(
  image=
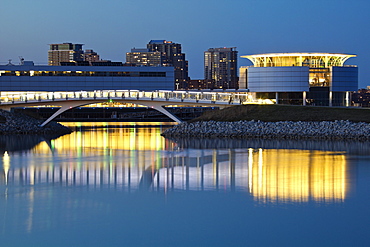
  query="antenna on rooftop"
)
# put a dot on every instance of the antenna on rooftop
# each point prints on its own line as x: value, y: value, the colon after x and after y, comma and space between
x: 21, y: 60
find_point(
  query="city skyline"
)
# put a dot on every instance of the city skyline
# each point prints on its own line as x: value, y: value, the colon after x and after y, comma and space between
x: 252, y: 26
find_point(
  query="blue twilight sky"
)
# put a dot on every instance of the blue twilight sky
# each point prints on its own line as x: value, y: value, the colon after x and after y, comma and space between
x: 113, y: 27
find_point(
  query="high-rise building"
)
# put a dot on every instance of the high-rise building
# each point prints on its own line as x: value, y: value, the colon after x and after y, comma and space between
x: 145, y: 57
x: 66, y: 52
x: 220, y: 65
x: 162, y: 53
x: 175, y: 57
x: 91, y: 56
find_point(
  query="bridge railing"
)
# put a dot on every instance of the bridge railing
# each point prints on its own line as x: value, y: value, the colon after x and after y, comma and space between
x: 181, y: 96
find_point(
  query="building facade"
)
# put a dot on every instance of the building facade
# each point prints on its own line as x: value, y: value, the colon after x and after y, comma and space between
x: 201, y: 84
x: 221, y: 66
x: 66, y: 52
x: 145, y: 57
x: 30, y: 77
x: 301, y: 78
x: 162, y: 53
x: 91, y: 56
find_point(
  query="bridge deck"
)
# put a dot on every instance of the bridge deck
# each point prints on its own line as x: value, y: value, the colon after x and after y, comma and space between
x: 155, y: 99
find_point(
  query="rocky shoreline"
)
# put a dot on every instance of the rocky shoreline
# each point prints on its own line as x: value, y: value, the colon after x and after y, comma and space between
x: 324, y: 130
x: 17, y: 123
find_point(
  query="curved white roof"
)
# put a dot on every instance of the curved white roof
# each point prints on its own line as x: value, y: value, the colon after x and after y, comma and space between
x: 311, y: 59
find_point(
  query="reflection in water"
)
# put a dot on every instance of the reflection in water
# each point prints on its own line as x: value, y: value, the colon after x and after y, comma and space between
x: 297, y: 176
x: 36, y: 185
x: 17, y: 143
x: 6, y: 166
x: 349, y: 147
x: 140, y: 159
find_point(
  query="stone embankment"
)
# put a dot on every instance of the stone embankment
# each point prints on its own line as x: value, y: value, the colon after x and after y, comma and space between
x: 17, y: 123
x: 325, y: 130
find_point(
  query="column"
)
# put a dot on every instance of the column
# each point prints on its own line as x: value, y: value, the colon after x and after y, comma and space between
x: 277, y: 98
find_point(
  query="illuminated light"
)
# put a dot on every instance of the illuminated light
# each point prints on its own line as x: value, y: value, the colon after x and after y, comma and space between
x: 32, y: 174
x: 250, y: 168
x: 6, y: 165
x: 298, y: 59
x: 266, y: 101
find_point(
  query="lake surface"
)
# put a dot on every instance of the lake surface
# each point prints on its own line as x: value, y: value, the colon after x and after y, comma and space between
x: 122, y: 184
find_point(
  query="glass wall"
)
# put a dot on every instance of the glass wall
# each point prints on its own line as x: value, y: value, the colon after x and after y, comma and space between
x: 320, y: 77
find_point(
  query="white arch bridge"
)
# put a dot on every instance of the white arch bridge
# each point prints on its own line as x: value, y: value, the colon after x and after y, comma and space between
x: 155, y: 99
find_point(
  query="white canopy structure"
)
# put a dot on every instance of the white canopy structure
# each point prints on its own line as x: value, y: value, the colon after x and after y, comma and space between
x: 312, y: 60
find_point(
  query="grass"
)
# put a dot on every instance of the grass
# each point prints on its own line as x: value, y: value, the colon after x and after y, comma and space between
x: 275, y: 113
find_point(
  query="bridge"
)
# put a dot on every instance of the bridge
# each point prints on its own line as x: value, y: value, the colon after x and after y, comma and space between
x: 155, y: 99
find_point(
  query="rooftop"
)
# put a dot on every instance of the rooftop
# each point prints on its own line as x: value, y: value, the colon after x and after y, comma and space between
x: 311, y: 59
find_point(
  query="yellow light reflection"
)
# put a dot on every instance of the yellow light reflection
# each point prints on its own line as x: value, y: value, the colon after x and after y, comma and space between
x: 124, y: 156
x: 6, y: 166
x: 297, y: 176
x: 115, y: 139
x: 250, y: 168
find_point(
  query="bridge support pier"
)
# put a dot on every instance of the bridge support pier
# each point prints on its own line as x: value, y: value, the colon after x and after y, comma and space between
x: 61, y: 110
x: 65, y: 106
x: 159, y: 107
x: 6, y: 107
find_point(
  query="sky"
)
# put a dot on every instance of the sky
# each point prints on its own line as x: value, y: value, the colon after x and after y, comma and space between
x: 113, y: 27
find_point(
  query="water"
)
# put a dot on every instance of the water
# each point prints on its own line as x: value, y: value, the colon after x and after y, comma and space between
x: 107, y: 185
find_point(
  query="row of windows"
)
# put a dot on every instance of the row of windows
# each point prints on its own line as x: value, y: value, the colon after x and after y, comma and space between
x: 82, y: 73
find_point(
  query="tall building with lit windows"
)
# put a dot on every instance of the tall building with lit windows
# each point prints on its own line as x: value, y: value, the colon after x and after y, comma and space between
x: 301, y: 78
x: 145, y: 57
x: 91, y: 56
x: 221, y: 66
x: 66, y: 52
x: 162, y: 53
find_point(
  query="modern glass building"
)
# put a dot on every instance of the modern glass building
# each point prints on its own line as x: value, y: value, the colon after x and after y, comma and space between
x: 301, y: 78
x: 30, y: 77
